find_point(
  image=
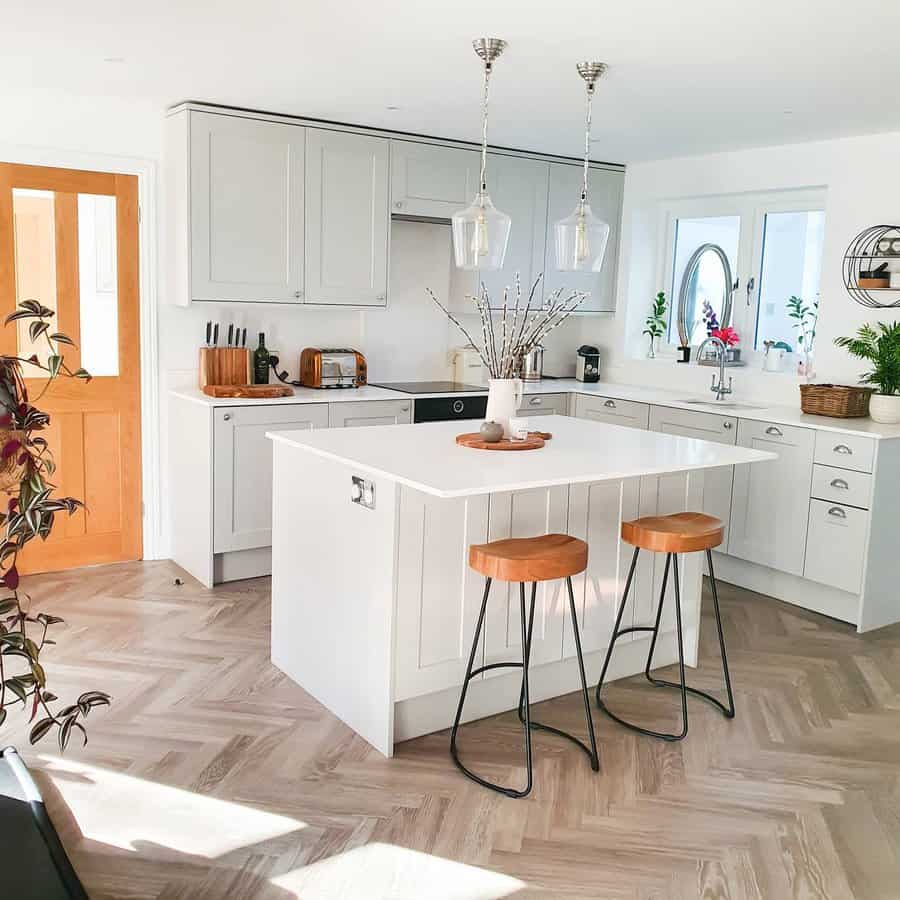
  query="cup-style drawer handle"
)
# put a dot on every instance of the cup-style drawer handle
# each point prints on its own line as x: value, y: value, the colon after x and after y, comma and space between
x: 843, y: 448
x: 775, y: 432
x: 610, y: 404
x: 837, y: 512
x: 535, y: 401
x: 840, y: 484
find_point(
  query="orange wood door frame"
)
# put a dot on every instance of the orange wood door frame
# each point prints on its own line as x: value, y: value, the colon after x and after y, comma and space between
x: 95, y: 431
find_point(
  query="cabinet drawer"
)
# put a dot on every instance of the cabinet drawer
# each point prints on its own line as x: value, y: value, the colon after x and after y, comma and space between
x: 545, y: 405
x: 842, y: 486
x: 354, y: 413
x: 613, y: 411
x: 846, y: 451
x: 836, y: 545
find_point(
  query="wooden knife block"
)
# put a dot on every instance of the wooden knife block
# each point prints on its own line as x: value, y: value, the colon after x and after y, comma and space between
x: 224, y: 365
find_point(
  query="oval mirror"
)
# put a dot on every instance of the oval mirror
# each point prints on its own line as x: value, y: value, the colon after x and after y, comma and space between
x: 707, y: 279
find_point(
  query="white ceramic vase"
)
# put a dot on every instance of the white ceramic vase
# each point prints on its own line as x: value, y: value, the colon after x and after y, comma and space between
x: 885, y: 408
x: 504, y: 400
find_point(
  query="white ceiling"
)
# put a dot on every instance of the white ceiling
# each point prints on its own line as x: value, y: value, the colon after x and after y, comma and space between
x: 686, y: 76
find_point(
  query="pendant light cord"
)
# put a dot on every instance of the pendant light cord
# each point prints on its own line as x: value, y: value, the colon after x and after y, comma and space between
x: 484, y: 126
x: 587, y: 144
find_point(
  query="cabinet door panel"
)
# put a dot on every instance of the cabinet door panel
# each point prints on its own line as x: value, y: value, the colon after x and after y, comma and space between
x: 347, y: 218
x: 705, y: 427
x: 369, y: 412
x: 836, y: 545
x: 518, y: 187
x: 438, y: 595
x: 242, y: 469
x: 430, y: 181
x: 246, y: 209
x: 606, y: 188
x: 770, y: 500
x: 524, y: 514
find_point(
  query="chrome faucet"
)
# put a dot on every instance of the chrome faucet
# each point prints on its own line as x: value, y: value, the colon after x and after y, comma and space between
x: 721, y: 352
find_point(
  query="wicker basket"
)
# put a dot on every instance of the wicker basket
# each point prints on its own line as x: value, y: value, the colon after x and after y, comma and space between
x: 837, y: 400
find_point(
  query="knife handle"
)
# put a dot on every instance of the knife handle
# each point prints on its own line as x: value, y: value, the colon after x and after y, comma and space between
x: 216, y: 335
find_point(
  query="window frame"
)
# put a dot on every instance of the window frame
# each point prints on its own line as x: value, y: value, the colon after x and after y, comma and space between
x: 751, y: 209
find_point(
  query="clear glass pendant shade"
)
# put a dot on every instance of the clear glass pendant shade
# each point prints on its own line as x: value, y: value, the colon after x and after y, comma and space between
x: 581, y: 240
x: 480, y: 235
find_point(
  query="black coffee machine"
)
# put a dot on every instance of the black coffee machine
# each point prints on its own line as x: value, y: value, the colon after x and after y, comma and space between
x: 587, y: 364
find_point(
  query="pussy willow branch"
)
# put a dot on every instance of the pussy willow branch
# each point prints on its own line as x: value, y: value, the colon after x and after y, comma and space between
x: 457, y: 323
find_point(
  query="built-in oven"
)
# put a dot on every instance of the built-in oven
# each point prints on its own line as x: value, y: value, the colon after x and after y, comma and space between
x: 445, y: 409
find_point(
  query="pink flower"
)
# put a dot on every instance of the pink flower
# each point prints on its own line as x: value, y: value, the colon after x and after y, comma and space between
x: 727, y: 335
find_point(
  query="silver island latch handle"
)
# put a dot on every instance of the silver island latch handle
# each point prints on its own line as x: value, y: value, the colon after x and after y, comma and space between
x: 777, y: 432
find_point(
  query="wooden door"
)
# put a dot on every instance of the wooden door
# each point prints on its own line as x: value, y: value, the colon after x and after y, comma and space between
x: 69, y: 239
x: 242, y: 469
x: 347, y: 218
x: 246, y: 209
x: 770, y: 501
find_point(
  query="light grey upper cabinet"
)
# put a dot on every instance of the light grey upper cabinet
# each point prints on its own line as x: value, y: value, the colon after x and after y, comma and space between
x: 605, y: 197
x: 246, y: 209
x: 347, y: 218
x: 431, y: 182
x: 518, y: 187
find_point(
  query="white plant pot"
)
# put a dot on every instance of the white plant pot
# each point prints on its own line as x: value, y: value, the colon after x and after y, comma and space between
x: 885, y: 408
x: 504, y: 400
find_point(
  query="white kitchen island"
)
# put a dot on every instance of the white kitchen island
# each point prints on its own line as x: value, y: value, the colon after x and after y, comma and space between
x: 373, y: 603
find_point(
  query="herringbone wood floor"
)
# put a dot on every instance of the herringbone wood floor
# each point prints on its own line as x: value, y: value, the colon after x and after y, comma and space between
x: 213, y: 775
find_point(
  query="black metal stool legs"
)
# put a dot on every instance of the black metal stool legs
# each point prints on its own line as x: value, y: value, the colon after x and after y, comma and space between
x: 527, y: 626
x: 681, y: 685
x: 538, y: 726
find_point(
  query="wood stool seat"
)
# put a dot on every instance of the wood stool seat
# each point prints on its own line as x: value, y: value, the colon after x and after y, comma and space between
x: 683, y: 532
x: 543, y: 558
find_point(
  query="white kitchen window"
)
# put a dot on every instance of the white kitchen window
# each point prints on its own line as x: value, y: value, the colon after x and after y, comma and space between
x: 773, y: 242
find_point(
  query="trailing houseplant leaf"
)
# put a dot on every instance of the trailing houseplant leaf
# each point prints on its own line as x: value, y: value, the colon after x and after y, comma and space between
x: 26, y: 470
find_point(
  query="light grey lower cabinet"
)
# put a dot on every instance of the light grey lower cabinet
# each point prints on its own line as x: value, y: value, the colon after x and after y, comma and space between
x: 242, y: 469
x: 770, y: 500
x: 613, y: 411
x: 545, y: 405
x: 369, y: 412
x: 704, y: 426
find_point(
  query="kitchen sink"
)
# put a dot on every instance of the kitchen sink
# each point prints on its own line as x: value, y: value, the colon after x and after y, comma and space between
x: 724, y: 404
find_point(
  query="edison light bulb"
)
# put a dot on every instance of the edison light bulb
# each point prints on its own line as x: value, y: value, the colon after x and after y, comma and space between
x: 582, y: 244
x: 480, y: 236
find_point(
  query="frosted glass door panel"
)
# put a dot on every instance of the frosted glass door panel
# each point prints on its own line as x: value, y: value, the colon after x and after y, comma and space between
x: 97, y: 278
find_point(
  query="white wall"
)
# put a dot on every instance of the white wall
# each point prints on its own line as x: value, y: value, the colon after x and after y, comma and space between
x: 863, y: 188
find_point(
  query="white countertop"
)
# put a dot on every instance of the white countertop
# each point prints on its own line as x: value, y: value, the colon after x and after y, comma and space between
x: 779, y: 415
x: 425, y: 456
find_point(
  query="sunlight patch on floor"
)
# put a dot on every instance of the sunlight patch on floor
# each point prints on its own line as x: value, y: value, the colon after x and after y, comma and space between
x: 381, y: 871
x: 127, y: 812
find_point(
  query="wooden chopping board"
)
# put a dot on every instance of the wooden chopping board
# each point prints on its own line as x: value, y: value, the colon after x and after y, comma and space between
x: 248, y: 391
x: 534, y: 441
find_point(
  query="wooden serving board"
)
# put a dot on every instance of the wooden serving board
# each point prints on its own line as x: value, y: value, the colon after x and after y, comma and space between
x: 534, y: 441
x: 248, y: 391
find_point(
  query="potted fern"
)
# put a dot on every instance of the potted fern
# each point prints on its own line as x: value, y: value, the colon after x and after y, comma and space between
x: 879, y: 345
x: 31, y: 855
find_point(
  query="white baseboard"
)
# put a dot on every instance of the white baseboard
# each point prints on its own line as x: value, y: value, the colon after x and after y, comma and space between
x: 240, y: 564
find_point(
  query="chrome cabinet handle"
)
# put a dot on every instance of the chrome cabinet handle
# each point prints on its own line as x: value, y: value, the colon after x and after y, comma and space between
x: 610, y: 404
x: 298, y: 294
x: 226, y: 417
x: 380, y: 297
x: 727, y: 426
x: 837, y: 512
x: 398, y: 204
x: 840, y: 484
x: 404, y: 409
x: 777, y: 432
x: 535, y: 401
x: 843, y: 448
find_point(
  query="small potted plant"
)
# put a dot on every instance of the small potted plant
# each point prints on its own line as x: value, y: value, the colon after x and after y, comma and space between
x: 805, y: 318
x: 879, y: 345
x: 730, y: 338
x: 655, y: 324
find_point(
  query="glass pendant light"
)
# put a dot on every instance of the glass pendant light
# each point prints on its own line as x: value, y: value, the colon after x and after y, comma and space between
x: 481, y: 231
x: 581, y: 237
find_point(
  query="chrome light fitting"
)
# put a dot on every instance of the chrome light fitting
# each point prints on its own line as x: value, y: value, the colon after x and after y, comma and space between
x: 581, y: 237
x: 481, y: 231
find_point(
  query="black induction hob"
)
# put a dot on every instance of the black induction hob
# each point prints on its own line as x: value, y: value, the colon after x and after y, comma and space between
x: 430, y: 387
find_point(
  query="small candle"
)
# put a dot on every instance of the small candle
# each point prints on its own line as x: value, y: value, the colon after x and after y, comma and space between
x: 518, y: 429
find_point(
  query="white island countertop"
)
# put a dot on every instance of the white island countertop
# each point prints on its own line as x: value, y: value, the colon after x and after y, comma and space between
x: 425, y: 456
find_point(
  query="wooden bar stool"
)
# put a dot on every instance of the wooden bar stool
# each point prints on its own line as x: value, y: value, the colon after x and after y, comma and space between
x: 684, y: 532
x: 543, y: 558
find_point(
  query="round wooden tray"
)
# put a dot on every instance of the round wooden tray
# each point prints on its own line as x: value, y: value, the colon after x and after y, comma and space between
x: 534, y: 441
